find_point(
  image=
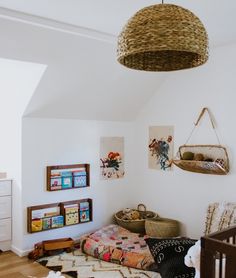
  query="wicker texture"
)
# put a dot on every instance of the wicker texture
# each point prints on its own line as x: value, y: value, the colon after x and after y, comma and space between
x: 135, y: 226
x: 163, y: 37
x: 162, y: 227
x: 218, y: 166
x: 207, y: 159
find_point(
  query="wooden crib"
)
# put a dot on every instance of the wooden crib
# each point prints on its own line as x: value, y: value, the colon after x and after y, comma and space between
x: 218, y: 254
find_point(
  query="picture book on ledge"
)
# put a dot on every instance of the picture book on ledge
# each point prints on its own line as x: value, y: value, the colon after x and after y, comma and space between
x: 62, y: 177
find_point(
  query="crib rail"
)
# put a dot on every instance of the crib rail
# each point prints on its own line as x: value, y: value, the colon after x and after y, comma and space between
x: 218, y: 254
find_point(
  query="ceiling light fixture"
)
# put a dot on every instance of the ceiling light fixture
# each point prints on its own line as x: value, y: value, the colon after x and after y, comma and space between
x: 163, y: 37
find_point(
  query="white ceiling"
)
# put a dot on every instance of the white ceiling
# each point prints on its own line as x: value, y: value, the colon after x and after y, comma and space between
x: 83, y: 79
x: 110, y: 15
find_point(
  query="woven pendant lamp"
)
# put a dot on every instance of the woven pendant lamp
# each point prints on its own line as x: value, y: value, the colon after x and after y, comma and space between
x: 163, y: 37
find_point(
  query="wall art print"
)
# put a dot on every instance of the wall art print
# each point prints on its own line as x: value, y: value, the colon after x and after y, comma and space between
x: 160, y: 147
x: 111, y: 157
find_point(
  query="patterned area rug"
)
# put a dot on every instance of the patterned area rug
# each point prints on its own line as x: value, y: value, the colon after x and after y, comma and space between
x: 79, y: 265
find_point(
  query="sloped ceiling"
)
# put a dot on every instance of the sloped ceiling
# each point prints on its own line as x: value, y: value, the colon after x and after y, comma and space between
x: 110, y: 15
x: 15, y: 95
x: 83, y: 79
x: 77, y: 40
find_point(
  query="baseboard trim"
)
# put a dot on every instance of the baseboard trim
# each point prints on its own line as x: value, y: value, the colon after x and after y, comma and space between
x: 19, y: 252
x: 23, y: 253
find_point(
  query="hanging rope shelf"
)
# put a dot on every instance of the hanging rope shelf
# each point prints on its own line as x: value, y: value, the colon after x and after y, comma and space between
x: 205, y: 159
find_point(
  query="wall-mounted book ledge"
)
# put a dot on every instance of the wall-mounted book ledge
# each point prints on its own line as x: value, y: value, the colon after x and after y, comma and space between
x: 62, y: 177
x: 53, y: 216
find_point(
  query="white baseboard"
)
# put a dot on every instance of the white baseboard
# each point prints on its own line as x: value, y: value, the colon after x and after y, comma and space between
x: 20, y: 253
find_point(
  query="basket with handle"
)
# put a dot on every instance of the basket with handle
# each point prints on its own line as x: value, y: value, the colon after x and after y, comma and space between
x: 138, y: 225
x: 205, y: 159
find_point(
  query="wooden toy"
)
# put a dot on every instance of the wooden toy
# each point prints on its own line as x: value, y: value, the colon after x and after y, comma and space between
x: 47, y: 247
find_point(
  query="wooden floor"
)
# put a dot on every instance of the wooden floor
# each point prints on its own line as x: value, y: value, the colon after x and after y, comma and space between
x: 12, y: 266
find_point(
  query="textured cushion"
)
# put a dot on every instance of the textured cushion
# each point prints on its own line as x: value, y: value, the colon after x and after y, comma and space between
x: 169, y: 255
x: 220, y: 216
x: 116, y: 244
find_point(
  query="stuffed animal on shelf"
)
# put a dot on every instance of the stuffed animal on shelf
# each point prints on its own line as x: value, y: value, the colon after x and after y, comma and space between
x: 53, y: 274
x: 192, y: 258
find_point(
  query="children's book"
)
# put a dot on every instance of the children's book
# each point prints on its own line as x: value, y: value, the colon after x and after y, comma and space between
x: 84, y: 206
x: 47, y: 223
x: 66, y: 177
x: 84, y: 216
x: 84, y: 211
x: 55, y: 183
x: 71, y: 215
x: 45, y: 212
x: 57, y: 221
x: 80, y: 179
x: 36, y: 225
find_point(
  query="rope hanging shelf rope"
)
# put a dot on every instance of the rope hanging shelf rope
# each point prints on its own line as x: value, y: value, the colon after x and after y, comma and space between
x: 205, y: 159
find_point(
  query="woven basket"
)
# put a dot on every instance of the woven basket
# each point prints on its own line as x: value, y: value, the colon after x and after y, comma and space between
x: 162, y: 227
x: 205, y: 159
x: 217, y: 153
x: 135, y: 226
x: 163, y: 37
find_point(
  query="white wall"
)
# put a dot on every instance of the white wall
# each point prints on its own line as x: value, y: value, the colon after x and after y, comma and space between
x: 18, y: 81
x: 180, y: 194
x: 176, y: 194
x: 59, y: 142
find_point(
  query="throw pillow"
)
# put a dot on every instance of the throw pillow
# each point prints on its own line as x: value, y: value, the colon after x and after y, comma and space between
x: 169, y: 256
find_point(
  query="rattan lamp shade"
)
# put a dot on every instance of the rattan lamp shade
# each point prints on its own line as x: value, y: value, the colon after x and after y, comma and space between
x: 163, y: 37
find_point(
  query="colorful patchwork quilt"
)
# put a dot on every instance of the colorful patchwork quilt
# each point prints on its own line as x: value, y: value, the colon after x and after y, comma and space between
x: 118, y: 245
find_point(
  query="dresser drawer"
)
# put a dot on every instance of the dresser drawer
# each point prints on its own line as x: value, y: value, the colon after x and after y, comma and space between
x: 5, y: 207
x: 5, y: 188
x: 5, y: 229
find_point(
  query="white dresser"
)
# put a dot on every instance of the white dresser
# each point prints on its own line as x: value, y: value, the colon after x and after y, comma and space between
x: 5, y: 214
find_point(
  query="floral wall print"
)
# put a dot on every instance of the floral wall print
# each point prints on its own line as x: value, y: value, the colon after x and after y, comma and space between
x: 111, y: 157
x: 160, y: 147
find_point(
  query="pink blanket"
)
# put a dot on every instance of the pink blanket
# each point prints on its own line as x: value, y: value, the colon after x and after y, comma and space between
x: 116, y: 244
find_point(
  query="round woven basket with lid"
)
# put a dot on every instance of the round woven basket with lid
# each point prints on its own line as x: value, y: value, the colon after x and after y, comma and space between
x: 163, y: 37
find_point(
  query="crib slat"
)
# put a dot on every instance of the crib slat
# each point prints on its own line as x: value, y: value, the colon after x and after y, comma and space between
x: 220, y: 265
x: 207, y: 269
x: 223, y: 244
x: 230, y: 269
